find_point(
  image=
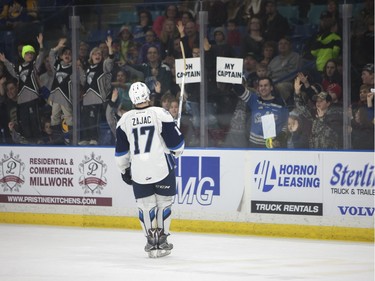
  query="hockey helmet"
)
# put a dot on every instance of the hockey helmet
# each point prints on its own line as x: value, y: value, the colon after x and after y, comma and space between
x: 139, y: 93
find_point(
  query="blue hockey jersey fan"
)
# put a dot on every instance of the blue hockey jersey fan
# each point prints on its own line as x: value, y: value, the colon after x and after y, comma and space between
x: 147, y: 142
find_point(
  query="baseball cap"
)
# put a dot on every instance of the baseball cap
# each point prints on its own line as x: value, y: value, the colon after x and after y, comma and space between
x: 250, y: 54
x: 123, y: 28
x: 335, y: 88
x: 369, y: 67
x: 317, y: 88
x: 322, y: 95
x: 27, y: 49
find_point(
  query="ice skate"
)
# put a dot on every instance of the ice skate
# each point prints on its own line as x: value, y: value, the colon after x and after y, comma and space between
x: 164, y: 248
x: 157, y: 244
x: 152, y: 242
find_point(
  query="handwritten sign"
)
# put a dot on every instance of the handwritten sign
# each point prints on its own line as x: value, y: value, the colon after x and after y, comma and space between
x: 193, y: 70
x: 229, y: 70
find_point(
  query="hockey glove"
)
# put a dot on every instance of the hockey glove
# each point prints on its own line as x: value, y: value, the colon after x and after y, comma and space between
x: 127, y: 176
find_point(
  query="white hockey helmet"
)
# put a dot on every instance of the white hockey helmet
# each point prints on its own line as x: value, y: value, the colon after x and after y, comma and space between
x: 139, y: 93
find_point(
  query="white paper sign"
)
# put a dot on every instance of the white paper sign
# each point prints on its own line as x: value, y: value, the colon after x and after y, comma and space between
x: 229, y: 70
x: 268, y: 126
x: 193, y: 70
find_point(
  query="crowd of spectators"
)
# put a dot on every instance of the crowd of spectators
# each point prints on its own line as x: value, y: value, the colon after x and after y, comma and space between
x: 302, y: 86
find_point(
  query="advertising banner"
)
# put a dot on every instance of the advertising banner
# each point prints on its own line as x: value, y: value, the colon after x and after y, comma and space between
x: 286, y: 183
x: 85, y: 176
x: 350, y: 185
x: 210, y: 180
x: 330, y: 184
x: 309, y: 187
x: 58, y: 176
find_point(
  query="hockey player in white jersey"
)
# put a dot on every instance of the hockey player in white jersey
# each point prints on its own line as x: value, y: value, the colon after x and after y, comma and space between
x: 147, y: 142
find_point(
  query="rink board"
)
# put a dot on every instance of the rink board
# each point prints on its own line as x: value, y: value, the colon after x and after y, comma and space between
x: 310, y: 194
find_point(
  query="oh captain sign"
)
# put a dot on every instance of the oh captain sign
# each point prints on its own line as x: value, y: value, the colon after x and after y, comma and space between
x: 229, y: 70
x: 192, y: 73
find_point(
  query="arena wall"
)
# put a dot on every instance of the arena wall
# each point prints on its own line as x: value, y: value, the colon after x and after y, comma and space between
x: 305, y: 194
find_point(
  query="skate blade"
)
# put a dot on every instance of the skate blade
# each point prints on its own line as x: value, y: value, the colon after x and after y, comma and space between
x: 154, y: 254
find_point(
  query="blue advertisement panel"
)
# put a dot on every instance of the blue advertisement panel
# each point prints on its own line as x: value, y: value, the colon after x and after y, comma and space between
x: 286, y: 183
x: 334, y: 185
x: 209, y: 180
x: 350, y: 185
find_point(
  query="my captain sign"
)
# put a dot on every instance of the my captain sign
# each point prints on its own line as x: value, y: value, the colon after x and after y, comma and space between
x: 192, y: 72
x: 229, y: 70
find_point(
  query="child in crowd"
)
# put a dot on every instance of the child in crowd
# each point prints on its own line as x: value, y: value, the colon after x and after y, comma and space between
x: 261, y: 72
x: 173, y: 108
x: 297, y: 137
x: 28, y: 95
x: 96, y: 90
x: 186, y: 125
x: 166, y: 100
x: 361, y: 100
x: 48, y: 135
x: 61, y: 99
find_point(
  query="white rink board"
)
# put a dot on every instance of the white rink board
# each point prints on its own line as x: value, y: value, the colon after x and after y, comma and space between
x: 268, y: 186
x: 70, y: 179
x: 334, y: 187
x: 349, y: 185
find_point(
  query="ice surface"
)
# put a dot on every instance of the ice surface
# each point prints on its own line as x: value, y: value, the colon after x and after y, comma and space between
x: 38, y: 253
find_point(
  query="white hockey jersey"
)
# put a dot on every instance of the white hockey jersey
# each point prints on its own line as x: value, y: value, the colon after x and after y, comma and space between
x: 145, y: 139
